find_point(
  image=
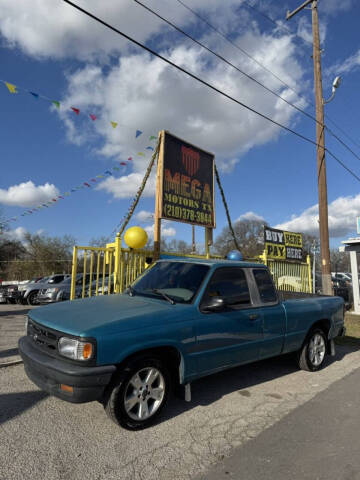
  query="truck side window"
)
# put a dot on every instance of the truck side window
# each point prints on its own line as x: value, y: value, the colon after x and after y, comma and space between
x: 229, y: 284
x: 265, y: 285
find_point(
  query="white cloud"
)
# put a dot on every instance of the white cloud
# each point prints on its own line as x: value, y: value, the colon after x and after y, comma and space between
x: 141, y: 92
x: 166, y: 231
x: 342, y: 218
x: 127, y: 186
x: 251, y: 216
x: 17, y: 234
x: 346, y: 66
x: 144, y: 216
x: 332, y: 7
x: 27, y: 194
x: 44, y: 28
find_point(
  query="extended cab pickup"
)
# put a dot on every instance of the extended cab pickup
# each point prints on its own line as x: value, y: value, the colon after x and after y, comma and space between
x: 179, y: 321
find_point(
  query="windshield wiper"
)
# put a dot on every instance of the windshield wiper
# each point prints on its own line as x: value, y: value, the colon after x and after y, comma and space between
x: 159, y: 292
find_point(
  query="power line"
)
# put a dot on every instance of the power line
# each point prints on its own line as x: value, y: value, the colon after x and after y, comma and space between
x: 244, y: 73
x: 187, y: 72
x: 219, y: 32
x: 224, y: 60
x: 212, y: 87
x: 273, y: 74
x: 343, y: 131
x: 275, y: 22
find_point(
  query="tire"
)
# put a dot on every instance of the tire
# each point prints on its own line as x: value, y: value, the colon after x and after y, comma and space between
x: 32, y: 298
x: 131, y: 401
x: 311, y: 357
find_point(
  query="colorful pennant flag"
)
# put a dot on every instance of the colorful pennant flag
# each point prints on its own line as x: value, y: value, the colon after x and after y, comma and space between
x: 76, y: 110
x: 141, y: 154
x: 152, y: 137
x: 130, y: 158
x: 149, y: 148
x: 87, y: 184
x: 114, y: 124
x: 122, y: 163
x: 11, y: 87
x: 108, y: 172
x: 92, y: 116
x: 56, y: 103
x: 35, y: 95
x: 138, y: 133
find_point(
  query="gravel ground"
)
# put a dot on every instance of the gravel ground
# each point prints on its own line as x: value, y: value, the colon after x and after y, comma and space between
x: 44, y: 437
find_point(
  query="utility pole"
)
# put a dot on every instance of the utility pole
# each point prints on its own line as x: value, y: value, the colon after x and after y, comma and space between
x: 320, y: 140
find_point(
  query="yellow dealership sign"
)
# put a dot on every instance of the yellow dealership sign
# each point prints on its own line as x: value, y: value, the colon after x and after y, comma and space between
x: 186, y: 182
x: 283, y: 245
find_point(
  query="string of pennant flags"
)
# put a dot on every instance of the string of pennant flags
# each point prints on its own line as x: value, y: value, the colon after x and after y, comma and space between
x: 15, y: 89
x: 90, y: 183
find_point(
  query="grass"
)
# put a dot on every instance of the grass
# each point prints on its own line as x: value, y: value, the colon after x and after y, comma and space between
x: 352, y: 324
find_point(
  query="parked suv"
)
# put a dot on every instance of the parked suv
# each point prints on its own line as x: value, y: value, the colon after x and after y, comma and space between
x: 30, y: 291
x: 61, y: 291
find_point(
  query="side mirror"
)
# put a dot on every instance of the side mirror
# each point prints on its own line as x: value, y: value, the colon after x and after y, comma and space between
x: 214, y: 304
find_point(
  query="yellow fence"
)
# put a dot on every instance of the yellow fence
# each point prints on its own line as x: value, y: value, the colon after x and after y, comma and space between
x: 110, y: 269
x: 290, y: 276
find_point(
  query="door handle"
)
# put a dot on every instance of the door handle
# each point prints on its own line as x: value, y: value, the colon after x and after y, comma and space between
x: 253, y: 316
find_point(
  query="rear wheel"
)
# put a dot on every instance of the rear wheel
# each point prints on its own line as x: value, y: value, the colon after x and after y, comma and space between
x: 139, y: 394
x: 312, y: 355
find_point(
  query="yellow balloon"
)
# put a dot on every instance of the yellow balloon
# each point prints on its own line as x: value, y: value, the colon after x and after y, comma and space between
x: 135, y: 237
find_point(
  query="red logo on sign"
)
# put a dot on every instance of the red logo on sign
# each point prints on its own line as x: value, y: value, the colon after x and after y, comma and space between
x: 190, y: 159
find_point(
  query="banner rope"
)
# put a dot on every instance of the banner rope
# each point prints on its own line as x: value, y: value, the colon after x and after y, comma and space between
x: 226, y: 209
x: 124, y: 224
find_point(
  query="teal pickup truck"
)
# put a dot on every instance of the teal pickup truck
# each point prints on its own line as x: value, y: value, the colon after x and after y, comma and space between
x: 179, y: 321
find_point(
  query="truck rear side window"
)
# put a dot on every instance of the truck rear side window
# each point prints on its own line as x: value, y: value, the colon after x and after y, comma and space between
x: 265, y: 285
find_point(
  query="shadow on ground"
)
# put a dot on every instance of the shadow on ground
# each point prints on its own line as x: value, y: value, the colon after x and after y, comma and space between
x: 23, y: 311
x: 14, y: 404
x: 9, y: 352
x: 209, y: 389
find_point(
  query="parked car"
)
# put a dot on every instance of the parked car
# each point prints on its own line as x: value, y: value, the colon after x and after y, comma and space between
x: 345, y: 277
x: 3, y: 294
x: 62, y: 290
x: 12, y: 292
x: 29, y: 291
x: 179, y: 321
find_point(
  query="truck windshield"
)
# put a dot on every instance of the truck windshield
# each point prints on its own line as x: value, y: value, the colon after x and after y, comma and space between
x: 178, y: 280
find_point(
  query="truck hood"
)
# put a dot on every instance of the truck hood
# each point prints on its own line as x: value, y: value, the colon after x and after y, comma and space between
x: 92, y: 316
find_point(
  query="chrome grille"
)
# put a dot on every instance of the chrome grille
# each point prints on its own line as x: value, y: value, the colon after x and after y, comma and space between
x: 43, y: 337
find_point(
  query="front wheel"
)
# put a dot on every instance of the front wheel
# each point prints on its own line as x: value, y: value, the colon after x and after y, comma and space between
x: 312, y: 355
x: 32, y: 298
x: 139, y: 394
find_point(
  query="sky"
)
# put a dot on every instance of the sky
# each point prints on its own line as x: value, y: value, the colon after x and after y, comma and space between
x: 52, y: 50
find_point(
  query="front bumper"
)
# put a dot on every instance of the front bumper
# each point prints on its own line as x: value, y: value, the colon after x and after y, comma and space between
x: 50, y: 373
x: 43, y: 298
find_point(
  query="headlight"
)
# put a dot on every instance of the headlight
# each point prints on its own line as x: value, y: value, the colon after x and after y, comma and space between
x: 52, y: 290
x: 75, y: 349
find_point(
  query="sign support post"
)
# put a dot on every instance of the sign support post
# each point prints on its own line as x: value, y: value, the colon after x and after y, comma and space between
x: 158, y: 197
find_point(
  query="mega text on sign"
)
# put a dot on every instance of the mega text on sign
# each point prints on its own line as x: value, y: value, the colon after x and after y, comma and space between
x: 283, y: 245
x: 187, y: 183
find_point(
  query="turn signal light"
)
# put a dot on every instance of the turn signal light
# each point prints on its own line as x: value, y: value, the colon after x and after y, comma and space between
x: 87, y: 351
x: 66, y: 388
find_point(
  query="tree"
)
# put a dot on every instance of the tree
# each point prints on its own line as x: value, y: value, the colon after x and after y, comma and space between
x: 249, y: 235
x: 340, y: 261
x: 41, y: 256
